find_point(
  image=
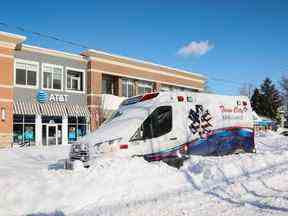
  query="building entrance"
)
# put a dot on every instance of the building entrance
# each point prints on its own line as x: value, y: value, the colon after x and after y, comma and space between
x: 52, y: 134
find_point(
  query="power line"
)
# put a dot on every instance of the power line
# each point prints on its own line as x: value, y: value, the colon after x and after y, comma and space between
x: 76, y: 44
x: 39, y: 34
x: 226, y: 81
x: 230, y: 82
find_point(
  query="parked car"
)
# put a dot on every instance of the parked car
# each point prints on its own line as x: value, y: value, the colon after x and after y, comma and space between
x: 283, y: 131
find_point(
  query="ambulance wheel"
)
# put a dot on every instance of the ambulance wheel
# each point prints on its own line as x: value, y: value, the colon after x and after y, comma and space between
x: 220, y: 150
x: 174, y: 162
x: 239, y: 151
x: 86, y: 164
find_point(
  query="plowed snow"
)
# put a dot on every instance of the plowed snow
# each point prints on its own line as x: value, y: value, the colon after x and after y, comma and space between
x: 32, y: 182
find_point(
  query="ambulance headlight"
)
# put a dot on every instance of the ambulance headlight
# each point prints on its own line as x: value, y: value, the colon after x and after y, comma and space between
x: 79, y: 147
x: 84, y: 147
x: 107, y: 145
x: 79, y: 151
x: 108, y: 142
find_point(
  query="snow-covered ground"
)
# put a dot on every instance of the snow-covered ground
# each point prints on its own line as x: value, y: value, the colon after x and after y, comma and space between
x: 32, y: 182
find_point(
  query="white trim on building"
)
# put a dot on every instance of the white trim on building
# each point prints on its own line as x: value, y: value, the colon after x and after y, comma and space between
x: 53, y: 66
x: 26, y: 62
x: 83, y: 79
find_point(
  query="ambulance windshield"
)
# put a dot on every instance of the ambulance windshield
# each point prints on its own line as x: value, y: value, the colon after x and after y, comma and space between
x: 158, y: 123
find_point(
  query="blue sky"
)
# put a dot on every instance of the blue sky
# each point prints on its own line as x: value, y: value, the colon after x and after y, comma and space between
x: 248, y: 39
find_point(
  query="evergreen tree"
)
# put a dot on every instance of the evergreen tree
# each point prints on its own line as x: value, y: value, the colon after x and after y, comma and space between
x: 206, y: 88
x: 284, y: 88
x: 256, y: 101
x: 267, y: 100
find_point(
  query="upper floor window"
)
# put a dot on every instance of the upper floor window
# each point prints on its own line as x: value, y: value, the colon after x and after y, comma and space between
x: 177, y: 88
x: 127, y: 88
x: 164, y: 88
x: 52, y: 77
x: 107, y: 85
x: 144, y: 87
x: 190, y: 90
x: 26, y: 73
x: 75, y: 79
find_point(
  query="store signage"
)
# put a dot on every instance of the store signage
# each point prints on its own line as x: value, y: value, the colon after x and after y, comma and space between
x: 44, y: 97
x: 58, y: 98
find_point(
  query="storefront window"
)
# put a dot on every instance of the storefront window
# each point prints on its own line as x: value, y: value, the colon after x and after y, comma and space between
x: 44, y: 135
x: 59, y: 134
x: 29, y: 119
x: 72, y: 133
x: 18, y: 118
x: 24, y: 129
x: 29, y: 132
x: 51, y: 119
x: 81, y: 130
x: 18, y: 133
x: 82, y: 126
x: 77, y: 127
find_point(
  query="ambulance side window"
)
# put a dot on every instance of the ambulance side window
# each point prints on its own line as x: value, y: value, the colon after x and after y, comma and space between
x: 158, y: 123
x: 163, y: 121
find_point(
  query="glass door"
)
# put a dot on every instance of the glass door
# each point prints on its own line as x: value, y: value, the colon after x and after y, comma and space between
x: 52, y: 134
x: 59, y: 135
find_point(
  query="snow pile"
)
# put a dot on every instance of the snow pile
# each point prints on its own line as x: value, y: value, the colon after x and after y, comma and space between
x: 271, y: 142
x: 111, y: 102
x: 207, y: 172
x: 32, y: 181
x: 251, y: 183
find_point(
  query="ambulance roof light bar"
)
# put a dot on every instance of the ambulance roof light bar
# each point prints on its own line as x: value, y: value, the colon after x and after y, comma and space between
x: 180, y: 98
x: 139, y: 98
x: 149, y: 96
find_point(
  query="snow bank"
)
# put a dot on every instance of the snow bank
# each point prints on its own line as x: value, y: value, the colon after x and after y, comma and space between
x: 111, y: 102
x: 32, y: 181
x: 205, y: 173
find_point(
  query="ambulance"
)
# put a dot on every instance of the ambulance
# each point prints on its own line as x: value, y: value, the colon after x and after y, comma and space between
x: 167, y: 125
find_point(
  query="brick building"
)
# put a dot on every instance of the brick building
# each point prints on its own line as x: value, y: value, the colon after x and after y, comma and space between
x: 49, y: 97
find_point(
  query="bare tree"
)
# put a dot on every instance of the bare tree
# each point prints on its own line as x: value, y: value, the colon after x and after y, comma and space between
x: 247, y: 89
x: 284, y: 88
x: 206, y: 88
